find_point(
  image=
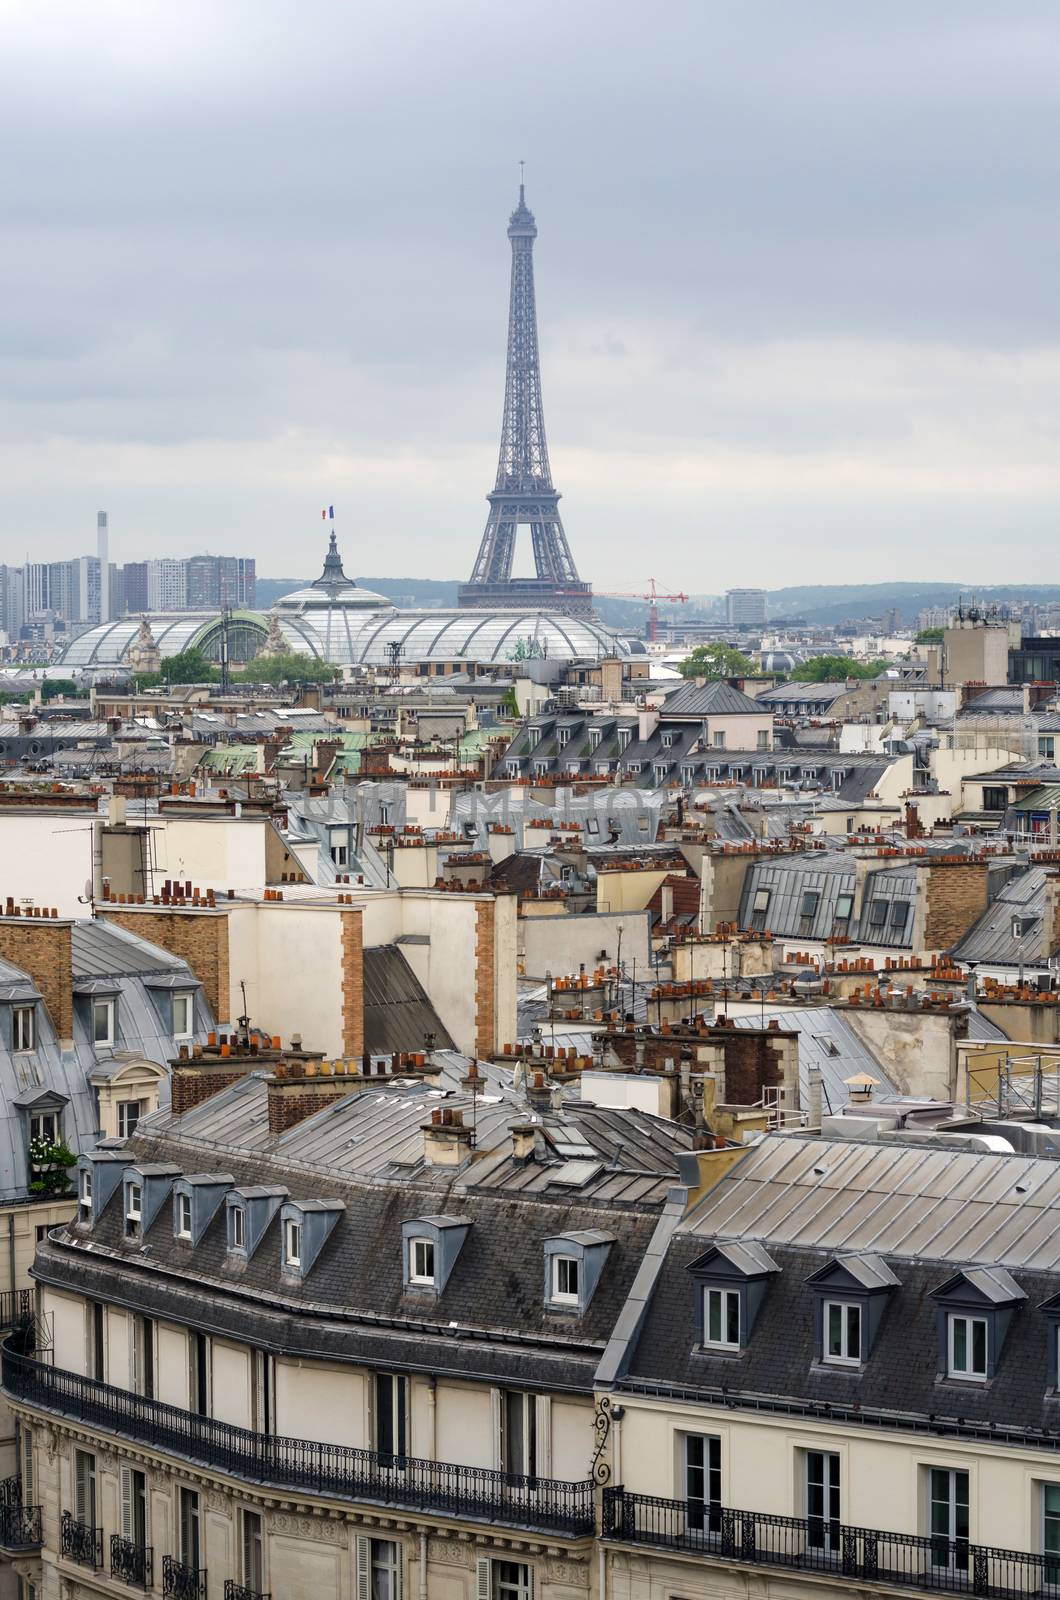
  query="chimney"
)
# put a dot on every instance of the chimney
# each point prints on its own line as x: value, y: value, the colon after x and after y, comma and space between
x: 446, y: 1141
x: 43, y: 946
x: 816, y: 1098
x: 298, y: 1090
x: 524, y: 1139
x: 539, y: 1093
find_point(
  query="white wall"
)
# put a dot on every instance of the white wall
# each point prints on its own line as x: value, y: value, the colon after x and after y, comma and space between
x: 559, y: 944
x: 46, y: 857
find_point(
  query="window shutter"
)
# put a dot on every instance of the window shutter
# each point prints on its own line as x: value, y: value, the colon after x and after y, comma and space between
x: 126, y: 1503
x: 482, y: 1573
x: 529, y: 1582
x: 136, y: 1383
x: 497, y: 1405
x: 364, y: 1563
x: 399, y: 1570
x: 544, y: 1435
x: 80, y: 1507
x: 28, y: 1485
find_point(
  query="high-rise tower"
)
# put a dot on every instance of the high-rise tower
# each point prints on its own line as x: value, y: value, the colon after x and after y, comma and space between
x: 523, y: 494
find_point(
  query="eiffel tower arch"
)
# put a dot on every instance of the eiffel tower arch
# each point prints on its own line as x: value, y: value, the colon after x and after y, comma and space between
x: 523, y: 494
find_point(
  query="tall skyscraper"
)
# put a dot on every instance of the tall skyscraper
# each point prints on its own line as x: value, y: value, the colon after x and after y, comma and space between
x: 103, y: 554
x: 523, y: 494
x: 745, y: 607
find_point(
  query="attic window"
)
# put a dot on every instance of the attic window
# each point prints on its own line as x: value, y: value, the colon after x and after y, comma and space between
x: 844, y: 905
x: 23, y: 1031
x: 103, y: 1021
x: 760, y: 903
x: 667, y: 741
x: 562, y: 737
x: 184, y: 1216
x: 565, y: 1278
x: 899, y: 913
x: 134, y: 1208
x: 85, y: 1194
x: 810, y: 901
x: 878, y: 913
x: 237, y: 1228
x: 721, y: 1318
x: 292, y: 1243
x: 421, y: 1261
x: 182, y: 1016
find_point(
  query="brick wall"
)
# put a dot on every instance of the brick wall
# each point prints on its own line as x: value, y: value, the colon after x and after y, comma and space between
x: 752, y: 1063
x: 198, y: 937
x: 190, y: 1088
x: 291, y: 1102
x: 352, y: 983
x: 485, y: 987
x: 44, y: 949
x: 955, y: 898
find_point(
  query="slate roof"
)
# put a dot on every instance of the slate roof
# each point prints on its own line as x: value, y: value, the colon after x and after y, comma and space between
x: 397, y: 1012
x: 991, y: 939
x: 715, y: 698
x: 829, y: 1043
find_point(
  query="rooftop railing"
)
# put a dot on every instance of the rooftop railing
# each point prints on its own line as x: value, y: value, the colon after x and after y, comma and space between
x: 340, y: 1471
x: 702, y: 1529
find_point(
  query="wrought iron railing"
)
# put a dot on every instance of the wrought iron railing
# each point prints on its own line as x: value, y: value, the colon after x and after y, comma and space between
x: 11, y: 1490
x: 80, y: 1542
x: 180, y: 1582
x: 339, y: 1471
x: 820, y: 1544
x: 131, y: 1563
x: 239, y: 1591
x: 20, y: 1527
x: 16, y: 1305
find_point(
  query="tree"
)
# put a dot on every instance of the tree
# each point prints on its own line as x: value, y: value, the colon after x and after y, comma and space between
x: 717, y: 661
x: 834, y: 669
x: 931, y: 636
x: 291, y: 668
x: 190, y: 666
x: 62, y: 689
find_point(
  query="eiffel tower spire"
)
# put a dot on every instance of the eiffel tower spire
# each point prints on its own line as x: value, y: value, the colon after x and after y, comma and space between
x: 523, y: 494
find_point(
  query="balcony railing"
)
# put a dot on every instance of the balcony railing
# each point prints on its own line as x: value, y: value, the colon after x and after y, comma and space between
x: 20, y: 1527
x: 131, y: 1563
x: 16, y: 1305
x: 81, y: 1543
x: 11, y: 1490
x: 699, y: 1528
x: 180, y: 1582
x: 239, y: 1591
x: 340, y: 1471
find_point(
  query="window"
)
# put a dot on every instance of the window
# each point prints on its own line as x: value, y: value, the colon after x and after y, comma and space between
x: 719, y: 740
x: 103, y: 1017
x: 40, y: 1233
x: 340, y: 854
x: 96, y: 1339
x: 760, y: 903
x: 189, y: 1528
x: 237, y: 1228
x: 134, y: 1207
x: 253, y: 1551
x: 667, y: 741
x: 763, y: 739
x: 995, y: 798
x: 899, y: 913
x: 390, y: 1418
x: 84, y: 1200
x: 199, y: 1373
x: 85, y: 1488
x: 702, y: 1473
x: 183, y: 1016
x: 23, y: 1031
x: 509, y: 1580
x: 565, y: 1280
x: 183, y: 1216
x: 948, y: 1518
x: 844, y: 905
x: 382, y: 1558
x: 292, y: 1243
x: 967, y: 1346
x: 421, y: 1261
x: 822, y: 1501
x: 1051, y: 1535
x: 134, y: 1507
x: 518, y: 1440
x: 1045, y: 746
x: 142, y: 1356
x: 810, y: 901
x: 44, y: 1125
x: 721, y: 1318
x: 129, y: 1114
x: 842, y: 1332
x: 878, y: 913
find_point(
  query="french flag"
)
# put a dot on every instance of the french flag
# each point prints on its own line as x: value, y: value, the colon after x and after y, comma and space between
x: 329, y: 513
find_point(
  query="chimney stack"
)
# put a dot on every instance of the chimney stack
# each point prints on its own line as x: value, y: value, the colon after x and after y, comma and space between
x: 446, y: 1141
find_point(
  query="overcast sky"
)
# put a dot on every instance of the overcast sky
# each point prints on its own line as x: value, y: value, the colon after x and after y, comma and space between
x: 797, y: 281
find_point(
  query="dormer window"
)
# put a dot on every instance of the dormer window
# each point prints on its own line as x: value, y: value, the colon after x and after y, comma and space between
x: 844, y: 905
x: 667, y: 741
x: 562, y: 737
x: 842, y: 1333
x: 183, y: 1016
x: 23, y: 1028
x: 44, y: 1125
x: 595, y: 735
x: 104, y: 1016
x: 84, y: 1195
x: 292, y: 1243
x: 721, y: 1318
x: 421, y: 1261
x: 134, y: 1207
x: 565, y: 1280
x: 967, y: 1347
x: 184, y: 1216
x: 760, y: 903
x: 237, y: 1228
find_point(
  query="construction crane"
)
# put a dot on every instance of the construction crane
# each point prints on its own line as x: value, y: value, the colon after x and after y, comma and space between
x: 653, y: 596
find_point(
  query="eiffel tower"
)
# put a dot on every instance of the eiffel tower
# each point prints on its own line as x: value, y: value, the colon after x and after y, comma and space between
x: 523, y: 494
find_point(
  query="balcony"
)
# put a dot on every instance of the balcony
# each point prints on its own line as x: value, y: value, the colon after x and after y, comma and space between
x: 180, y: 1582
x: 20, y: 1527
x: 16, y: 1306
x: 81, y: 1543
x: 131, y: 1563
x: 817, y: 1544
x: 239, y: 1591
x: 340, y: 1472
